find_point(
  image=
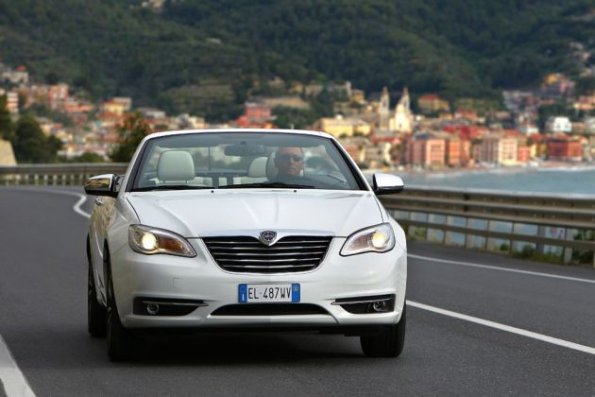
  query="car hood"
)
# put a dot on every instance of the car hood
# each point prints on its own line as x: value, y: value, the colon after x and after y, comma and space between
x: 231, y: 212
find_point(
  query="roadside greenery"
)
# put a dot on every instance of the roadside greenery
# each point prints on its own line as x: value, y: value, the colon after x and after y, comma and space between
x: 131, y: 132
x: 28, y: 141
x: 31, y: 145
x: 86, y: 157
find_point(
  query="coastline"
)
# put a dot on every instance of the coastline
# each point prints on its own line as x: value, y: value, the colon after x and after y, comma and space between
x: 551, y: 178
x: 546, y: 166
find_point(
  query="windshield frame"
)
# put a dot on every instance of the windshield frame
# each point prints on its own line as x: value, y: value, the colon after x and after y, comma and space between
x: 349, y: 163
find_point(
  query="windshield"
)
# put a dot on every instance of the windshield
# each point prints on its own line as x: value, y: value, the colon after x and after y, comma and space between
x: 242, y: 160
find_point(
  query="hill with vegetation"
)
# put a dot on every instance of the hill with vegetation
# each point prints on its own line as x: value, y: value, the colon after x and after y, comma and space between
x: 208, y: 56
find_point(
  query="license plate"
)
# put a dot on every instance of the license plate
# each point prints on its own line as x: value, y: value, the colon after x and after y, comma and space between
x: 268, y: 293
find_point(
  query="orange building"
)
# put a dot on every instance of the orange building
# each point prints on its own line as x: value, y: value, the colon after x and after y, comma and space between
x: 523, y: 154
x: 453, y: 152
x: 498, y: 150
x: 564, y: 149
x: 431, y: 103
x: 426, y: 151
x: 256, y: 116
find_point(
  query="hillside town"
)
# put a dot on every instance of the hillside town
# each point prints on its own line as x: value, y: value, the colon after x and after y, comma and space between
x: 377, y: 132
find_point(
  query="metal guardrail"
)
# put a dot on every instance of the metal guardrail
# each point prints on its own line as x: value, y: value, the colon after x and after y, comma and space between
x: 538, y: 226
x: 56, y: 174
x: 543, y: 227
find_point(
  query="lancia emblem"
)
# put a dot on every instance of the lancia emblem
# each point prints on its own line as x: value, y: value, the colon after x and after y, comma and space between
x: 268, y: 237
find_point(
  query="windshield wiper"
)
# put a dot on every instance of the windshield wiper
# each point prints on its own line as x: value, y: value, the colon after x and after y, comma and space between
x: 281, y: 185
x: 169, y: 187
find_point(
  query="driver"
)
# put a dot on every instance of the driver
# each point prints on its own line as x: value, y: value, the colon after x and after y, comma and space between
x: 289, y: 162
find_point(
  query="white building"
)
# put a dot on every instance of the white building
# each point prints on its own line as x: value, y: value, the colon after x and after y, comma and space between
x: 558, y: 124
x: 12, y: 102
x: 590, y: 125
x: 15, y: 76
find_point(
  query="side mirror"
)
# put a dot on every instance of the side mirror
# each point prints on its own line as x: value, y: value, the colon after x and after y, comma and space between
x: 102, y: 185
x: 387, y: 184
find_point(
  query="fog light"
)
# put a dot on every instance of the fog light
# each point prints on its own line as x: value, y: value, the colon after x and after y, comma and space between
x: 152, y: 308
x: 367, y: 304
x: 381, y: 306
x: 157, y: 306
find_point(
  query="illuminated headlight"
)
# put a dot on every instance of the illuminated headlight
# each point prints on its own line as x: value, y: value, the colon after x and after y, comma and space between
x: 379, y: 238
x: 148, y: 240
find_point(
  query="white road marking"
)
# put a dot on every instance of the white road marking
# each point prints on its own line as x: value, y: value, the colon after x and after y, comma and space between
x: 504, y: 327
x: 502, y: 269
x: 76, y: 208
x: 15, y: 384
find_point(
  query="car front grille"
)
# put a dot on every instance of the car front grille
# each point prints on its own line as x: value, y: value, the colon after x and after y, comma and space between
x: 290, y: 254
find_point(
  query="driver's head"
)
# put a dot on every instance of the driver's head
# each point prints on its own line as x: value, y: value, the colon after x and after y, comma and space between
x: 289, y: 161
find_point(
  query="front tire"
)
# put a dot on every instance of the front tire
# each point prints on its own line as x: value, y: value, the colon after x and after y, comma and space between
x: 121, y: 344
x: 96, y: 313
x: 388, y: 342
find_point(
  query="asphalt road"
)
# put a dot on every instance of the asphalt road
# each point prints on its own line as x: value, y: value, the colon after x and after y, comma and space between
x: 43, y: 323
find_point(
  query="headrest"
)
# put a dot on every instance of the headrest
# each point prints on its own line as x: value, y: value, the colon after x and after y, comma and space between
x: 175, y: 165
x: 263, y: 167
x: 258, y: 167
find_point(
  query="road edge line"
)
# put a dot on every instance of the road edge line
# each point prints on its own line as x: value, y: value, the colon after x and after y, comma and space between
x: 506, y: 328
x: 503, y: 269
x: 15, y: 383
x: 76, y: 208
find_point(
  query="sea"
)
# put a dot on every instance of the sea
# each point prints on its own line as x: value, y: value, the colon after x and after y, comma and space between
x: 570, y: 180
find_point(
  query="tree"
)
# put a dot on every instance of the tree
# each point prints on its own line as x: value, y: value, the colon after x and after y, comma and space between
x: 132, y: 131
x: 6, y: 125
x: 585, y: 86
x: 286, y: 117
x: 89, y: 157
x: 31, y: 145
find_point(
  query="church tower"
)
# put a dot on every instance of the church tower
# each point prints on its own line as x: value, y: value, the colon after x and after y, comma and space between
x: 384, y: 110
x: 402, y: 122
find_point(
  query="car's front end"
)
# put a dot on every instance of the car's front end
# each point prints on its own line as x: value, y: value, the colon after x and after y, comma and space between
x: 219, y: 278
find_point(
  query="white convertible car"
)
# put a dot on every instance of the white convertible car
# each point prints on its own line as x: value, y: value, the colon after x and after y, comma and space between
x: 245, y: 229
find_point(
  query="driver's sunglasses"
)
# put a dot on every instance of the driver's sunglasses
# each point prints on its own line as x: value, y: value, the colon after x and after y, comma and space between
x: 295, y: 157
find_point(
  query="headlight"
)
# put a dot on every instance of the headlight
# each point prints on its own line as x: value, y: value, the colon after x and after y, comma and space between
x: 148, y: 240
x: 379, y: 238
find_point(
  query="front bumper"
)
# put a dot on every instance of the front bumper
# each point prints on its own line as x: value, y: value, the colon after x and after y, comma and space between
x: 201, y: 279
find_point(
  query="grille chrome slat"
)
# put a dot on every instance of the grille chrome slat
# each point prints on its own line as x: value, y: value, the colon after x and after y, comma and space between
x: 255, y: 242
x: 248, y: 255
x: 245, y: 260
x: 269, y: 255
x: 273, y: 248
